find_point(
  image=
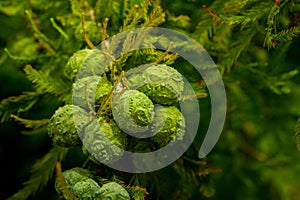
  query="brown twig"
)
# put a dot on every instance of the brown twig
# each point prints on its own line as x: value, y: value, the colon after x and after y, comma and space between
x: 88, y: 41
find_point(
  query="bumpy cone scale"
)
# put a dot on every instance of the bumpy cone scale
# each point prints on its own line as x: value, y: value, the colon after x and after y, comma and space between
x: 62, y: 127
x: 161, y: 83
x: 80, y: 181
x: 133, y: 111
x: 103, y: 141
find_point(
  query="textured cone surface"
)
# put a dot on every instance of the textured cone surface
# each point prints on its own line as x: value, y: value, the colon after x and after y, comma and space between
x: 80, y: 182
x: 161, y: 83
x: 75, y: 62
x: 168, y: 125
x: 104, y: 141
x: 62, y: 128
x: 94, y: 65
x: 112, y: 191
x: 86, y: 189
x: 76, y: 174
x: 90, y: 62
x: 133, y: 111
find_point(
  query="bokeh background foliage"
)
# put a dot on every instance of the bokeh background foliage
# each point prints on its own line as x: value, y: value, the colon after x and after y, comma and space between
x: 255, y: 45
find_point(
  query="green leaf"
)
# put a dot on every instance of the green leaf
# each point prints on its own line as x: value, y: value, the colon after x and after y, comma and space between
x: 238, y: 47
x: 285, y: 35
x: 136, y: 192
x: 42, y: 172
x: 27, y: 59
x: 45, y: 82
x: 39, y: 33
x: 31, y: 123
x: 17, y: 104
x: 250, y: 16
x: 59, y: 29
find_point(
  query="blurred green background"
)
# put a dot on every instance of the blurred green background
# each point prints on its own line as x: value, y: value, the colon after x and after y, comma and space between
x: 256, y: 152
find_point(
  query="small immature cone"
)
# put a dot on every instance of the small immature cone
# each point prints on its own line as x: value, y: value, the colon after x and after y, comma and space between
x: 90, y: 62
x: 62, y: 128
x: 86, y: 189
x: 133, y: 111
x: 75, y: 61
x: 74, y: 175
x: 104, y: 141
x: 168, y: 125
x: 80, y: 182
x: 162, y: 84
x: 112, y: 191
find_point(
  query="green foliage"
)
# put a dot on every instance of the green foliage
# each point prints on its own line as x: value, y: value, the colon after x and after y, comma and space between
x: 27, y: 59
x: 17, y: 104
x: 39, y: 33
x: 45, y: 83
x: 136, y: 192
x: 254, y: 45
x: 42, y: 171
x: 250, y: 17
x: 31, y: 123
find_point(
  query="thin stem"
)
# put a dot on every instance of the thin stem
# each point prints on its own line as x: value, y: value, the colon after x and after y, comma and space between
x: 104, y: 27
x: 161, y: 58
x: 45, y: 41
x: 59, y: 29
x: 88, y: 41
x: 104, y: 106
